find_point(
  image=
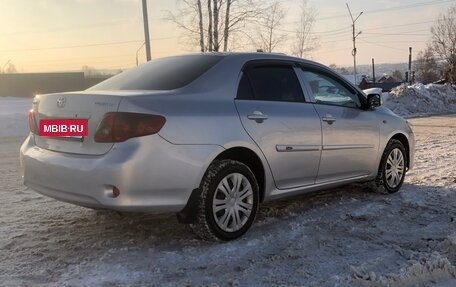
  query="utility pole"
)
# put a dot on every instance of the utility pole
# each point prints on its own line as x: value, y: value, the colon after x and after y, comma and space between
x: 373, y: 70
x: 410, y: 65
x: 354, y: 41
x: 146, y: 29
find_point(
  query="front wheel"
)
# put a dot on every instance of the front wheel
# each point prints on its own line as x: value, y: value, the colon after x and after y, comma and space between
x: 228, y: 201
x: 391, y: 172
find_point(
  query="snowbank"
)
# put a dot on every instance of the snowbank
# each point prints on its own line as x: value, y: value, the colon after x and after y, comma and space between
x: 421, y: 100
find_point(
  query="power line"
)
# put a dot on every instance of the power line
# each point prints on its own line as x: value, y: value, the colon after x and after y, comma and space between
x: 83, y: 46
x: 380, y: 45
x: 78, y: 59
x: 81, y: 63
x: 414, y: 41
x: 68, y: 28
x: 340, y: 31
x: 400, y: 25
x: 396, y: 34
x: 367, y: 35
x: 332, y: 31
x: 406, y: 33
x: 409, y: 6
x: 391, y: 8
x: 333, y: 50
x: 74, y: 46
x: 75, y: 62
x: 81, y: 27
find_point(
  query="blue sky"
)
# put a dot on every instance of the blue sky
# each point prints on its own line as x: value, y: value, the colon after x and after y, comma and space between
x: 60, y: 35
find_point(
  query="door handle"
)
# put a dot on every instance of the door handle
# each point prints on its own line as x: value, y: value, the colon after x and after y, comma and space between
x: 257, y: 116
x: 329, y: 120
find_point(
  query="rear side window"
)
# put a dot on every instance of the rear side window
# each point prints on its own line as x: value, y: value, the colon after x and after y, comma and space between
x: 245, y: 89
x: 270, y: 83
x: 161, y: 74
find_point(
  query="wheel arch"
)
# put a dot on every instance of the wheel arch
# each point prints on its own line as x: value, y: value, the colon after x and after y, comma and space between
x: 404, y: 140
x: 250, y: 159
x: 242, y: 154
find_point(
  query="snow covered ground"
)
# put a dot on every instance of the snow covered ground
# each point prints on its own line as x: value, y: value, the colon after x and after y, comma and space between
x: 13, y: 116
x: 343, y: 237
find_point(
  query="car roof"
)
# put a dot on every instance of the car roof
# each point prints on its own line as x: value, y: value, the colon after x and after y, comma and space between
x: 247, y: 56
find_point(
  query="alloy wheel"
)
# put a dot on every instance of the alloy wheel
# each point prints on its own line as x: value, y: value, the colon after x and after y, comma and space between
x: 233, y: 202
x: 395, y: 167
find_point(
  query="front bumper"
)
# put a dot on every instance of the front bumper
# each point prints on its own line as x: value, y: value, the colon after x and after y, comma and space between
x: 411, y: 150
x: 152, y: 174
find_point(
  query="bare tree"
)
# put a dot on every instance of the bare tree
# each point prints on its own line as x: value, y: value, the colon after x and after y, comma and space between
x: 226, y: 30
x: 211, y: 29
x: 340, y: 70
x: 189, y: 18
x: 305, y: 42
x: 200, y: 24
x: 443, y: 41
x: 216, y: 14
x: 90, y: 71
x: 398, y: 75
x: 268, y: 34
x: 9, y: 68
x: 426, y: 67
x: 210, y: 34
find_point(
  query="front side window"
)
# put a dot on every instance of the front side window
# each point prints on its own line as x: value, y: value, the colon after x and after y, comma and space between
x: 270, y: 83
x: 327, y: 90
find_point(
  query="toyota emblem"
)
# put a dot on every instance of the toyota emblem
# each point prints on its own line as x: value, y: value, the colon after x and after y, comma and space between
x: 61, y: 101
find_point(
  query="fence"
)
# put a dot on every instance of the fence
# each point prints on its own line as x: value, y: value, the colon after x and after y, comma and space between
x: 29, y: 84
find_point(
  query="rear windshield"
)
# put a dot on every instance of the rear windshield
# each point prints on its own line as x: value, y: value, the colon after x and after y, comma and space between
x: 161, y: 74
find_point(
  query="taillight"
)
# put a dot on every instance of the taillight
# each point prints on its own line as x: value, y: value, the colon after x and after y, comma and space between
x: 119, y: 126
x: 32, y: 122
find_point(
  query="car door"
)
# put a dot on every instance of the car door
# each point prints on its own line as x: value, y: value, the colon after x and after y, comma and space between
x: 286, y: 128
x: 350, y: 133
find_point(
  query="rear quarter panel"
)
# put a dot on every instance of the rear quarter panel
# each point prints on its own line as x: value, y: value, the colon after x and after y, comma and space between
x: 199, y: 120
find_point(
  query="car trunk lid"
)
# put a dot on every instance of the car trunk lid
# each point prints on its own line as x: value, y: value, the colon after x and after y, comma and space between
x: 81, y: 105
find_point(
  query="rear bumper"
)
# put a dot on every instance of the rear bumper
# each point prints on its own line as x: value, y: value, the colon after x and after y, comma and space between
x: 152, y: 174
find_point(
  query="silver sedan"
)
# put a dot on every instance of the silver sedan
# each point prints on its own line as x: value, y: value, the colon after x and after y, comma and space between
x: 211, y: 136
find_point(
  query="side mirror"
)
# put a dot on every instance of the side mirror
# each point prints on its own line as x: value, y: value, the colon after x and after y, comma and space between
x: 374, y: 100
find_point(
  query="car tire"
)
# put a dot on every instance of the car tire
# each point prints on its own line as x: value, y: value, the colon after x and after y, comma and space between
x: 391, y: 172
x: 227, y: 203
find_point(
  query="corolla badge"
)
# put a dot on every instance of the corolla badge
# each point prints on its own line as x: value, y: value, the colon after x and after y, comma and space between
x: 61, y: 101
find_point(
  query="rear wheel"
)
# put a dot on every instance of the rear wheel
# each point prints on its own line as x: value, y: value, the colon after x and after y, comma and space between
x: 228, y: 201
x: 391, y: 172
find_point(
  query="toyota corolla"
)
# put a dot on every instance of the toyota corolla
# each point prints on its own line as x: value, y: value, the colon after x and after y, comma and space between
x: 211, y: 136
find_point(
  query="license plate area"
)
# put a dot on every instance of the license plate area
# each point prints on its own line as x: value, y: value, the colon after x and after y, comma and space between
x: 67, y: 129
x: 70, y: 138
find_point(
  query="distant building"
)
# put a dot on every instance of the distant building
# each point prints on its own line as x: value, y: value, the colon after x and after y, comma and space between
x: 359, y: 78
x: 364, y: 84
x: 388, y: 79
